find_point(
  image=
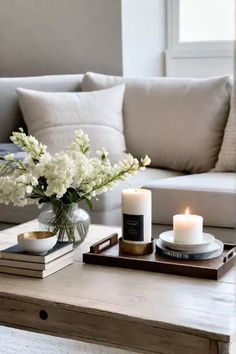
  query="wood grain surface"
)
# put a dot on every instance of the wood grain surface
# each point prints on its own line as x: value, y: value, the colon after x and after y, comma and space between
x: 136, y: 310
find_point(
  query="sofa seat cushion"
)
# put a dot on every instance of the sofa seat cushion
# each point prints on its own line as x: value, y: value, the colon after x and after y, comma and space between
x: 112, y: 199
x: 106, y: 202
x: 16, y: 215
x: 178, y: 122
x: 212, y: 195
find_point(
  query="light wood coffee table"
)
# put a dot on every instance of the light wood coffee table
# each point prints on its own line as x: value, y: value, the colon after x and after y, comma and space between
x: 141, y: 311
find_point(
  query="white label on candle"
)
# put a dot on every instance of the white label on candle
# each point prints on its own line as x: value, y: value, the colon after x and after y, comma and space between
x: 137, y: 221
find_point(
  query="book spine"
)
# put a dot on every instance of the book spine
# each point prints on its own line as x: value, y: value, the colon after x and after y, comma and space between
x: 182, y: 256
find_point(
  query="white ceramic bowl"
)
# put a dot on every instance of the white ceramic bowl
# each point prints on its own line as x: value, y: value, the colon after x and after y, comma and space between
x: 38, y: 242
x: 168, y: 238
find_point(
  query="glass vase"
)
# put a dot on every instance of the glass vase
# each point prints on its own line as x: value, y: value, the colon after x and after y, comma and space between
x: 68, y: 221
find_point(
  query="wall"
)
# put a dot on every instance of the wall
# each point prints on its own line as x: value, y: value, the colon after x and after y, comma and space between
x: 144, y: 37
x: 60, y: 36
x: 198, y: 67
x: 121, y: 37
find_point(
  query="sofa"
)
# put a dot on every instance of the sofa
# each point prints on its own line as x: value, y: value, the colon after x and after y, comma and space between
x: 186, y: 126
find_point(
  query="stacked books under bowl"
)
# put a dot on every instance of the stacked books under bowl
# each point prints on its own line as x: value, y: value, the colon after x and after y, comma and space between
x: 207, y: 248
x: 37, y: 254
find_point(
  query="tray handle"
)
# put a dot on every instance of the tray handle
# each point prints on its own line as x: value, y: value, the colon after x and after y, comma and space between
x: 229, y: 255
x: 104, y: 244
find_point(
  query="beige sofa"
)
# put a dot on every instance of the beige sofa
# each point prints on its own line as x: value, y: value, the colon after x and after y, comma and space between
x: 180, y: 123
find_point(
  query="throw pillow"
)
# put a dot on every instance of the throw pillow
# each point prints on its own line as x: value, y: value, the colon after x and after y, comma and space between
x: 178, y: 122
x: 227, y: 156
x: 53, y: 117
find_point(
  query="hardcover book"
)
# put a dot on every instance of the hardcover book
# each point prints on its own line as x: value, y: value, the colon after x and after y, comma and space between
x: 33, y: 265
x: 38, y: 273
x: 163, y: 251
x: 16, y: 253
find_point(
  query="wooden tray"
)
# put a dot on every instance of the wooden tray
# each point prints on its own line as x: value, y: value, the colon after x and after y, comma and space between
x: 106, y: 252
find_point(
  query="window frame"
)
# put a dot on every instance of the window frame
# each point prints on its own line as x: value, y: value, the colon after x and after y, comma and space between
x: 204, y: 49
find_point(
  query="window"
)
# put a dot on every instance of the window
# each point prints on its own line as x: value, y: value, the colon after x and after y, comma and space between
x: 206, y: 20
x: 201, y: 24
x: 201, y: 30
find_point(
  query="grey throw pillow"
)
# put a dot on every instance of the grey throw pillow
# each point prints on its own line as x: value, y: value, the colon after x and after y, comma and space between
x: 53, y: 118
x: 178, y: 122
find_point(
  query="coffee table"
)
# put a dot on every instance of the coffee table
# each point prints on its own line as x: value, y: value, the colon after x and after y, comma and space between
x: 136, y: 310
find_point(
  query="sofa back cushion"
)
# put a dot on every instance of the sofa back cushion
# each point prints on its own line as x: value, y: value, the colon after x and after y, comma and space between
x: 10, y: 113
x: 178, y: 122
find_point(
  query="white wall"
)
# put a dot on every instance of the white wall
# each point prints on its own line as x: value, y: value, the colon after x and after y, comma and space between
x: 198, y: 67
x: 60, y: 36
x: 143, y: 37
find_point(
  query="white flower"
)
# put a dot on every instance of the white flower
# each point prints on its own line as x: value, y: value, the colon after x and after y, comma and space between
x: 82, y: 167
x: 28, y: 144
x: 72, y: 175
x: 13, y: 190
x: 81, y: 143
x: 9, y: 157
x: 103, y: 154
x: 29, y: 189
x: 27, y: 179
x: 145, y: 161
x: 58, y: 171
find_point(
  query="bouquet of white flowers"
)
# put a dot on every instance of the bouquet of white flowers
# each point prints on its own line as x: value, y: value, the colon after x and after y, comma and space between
x: 63, y: 179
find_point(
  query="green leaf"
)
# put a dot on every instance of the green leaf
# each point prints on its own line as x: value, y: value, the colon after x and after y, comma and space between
x: 71, y: 196
x: 89, y: 203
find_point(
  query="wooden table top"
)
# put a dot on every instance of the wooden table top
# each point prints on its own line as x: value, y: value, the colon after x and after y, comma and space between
x: 194, y: 306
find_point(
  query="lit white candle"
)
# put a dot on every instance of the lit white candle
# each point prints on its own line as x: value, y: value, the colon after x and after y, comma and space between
x: 188, y: 229
x: 136, y: 205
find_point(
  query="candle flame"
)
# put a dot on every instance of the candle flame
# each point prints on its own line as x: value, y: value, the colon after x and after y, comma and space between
x: 187, y: 211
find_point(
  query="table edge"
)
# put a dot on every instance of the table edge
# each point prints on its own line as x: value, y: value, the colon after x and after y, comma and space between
x: 223, y: 337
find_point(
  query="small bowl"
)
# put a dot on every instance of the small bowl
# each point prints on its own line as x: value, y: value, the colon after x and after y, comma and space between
x: 37, y: 242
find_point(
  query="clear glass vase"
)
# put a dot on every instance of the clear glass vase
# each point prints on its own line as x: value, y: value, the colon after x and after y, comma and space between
x: 68, y: 221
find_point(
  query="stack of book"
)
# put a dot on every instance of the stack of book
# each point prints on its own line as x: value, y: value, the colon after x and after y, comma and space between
x: 208, y: 248
x: 14, y: 261
x: 210, y: 253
